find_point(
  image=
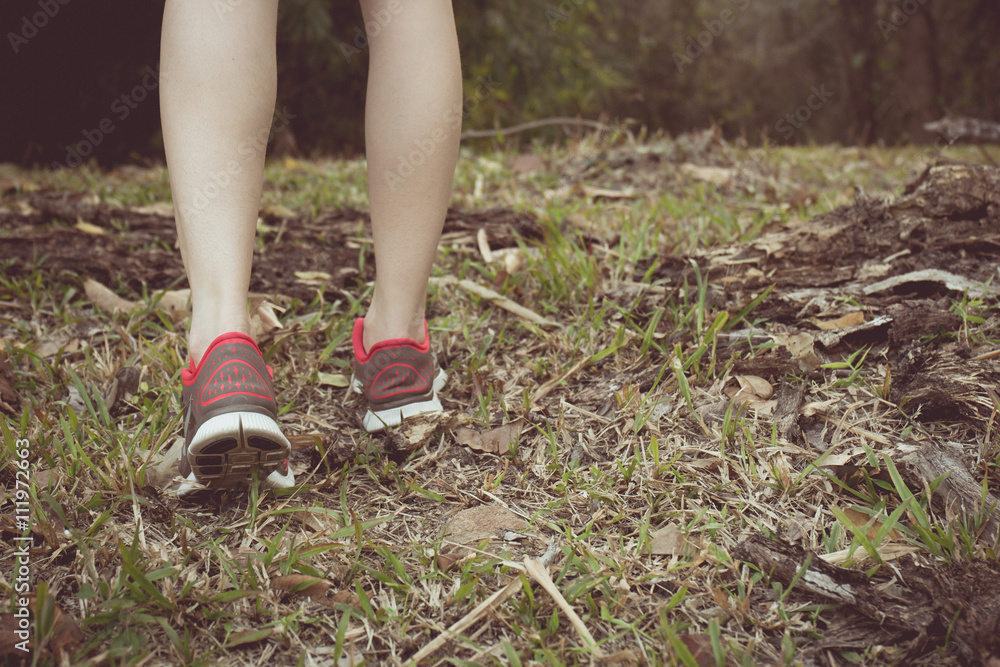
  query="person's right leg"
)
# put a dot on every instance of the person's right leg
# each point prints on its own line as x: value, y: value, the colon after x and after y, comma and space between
x: 218, y: 80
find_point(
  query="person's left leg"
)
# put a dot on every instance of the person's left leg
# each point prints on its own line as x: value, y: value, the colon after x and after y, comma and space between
x: 413, y: 118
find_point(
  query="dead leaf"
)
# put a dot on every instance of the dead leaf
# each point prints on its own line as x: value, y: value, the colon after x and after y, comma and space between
x: 278, y: 211
x: 860, y: 519
x: 264, y: 320
x: 317, y: 590
x: 163, y: 466
x: 64, y: 639
x: 849, y: 320
x: 175, y: 304
x: 953, y: 282
x: 802, y: 348
x: 499, y: 440
x: 527, y: 164
x: 749, y: 389
x: 313, y: 276
x: 160, y: 208
x: 414, y: 431
x: 125, y: 382
x: 88, y: 228
x: 48, y: 478
x: 669, y: 541
x: 9, y: 640
x: 309, y: 520
x: 250, y: 637
x: 334, y: 379
x: 485, y: 522
x: 447, y: 561
x: 700, y: 646
x: 604, y: 193
x: 716, y: 175
x: 105, y: 299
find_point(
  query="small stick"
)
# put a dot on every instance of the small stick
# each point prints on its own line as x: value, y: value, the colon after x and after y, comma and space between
x: 534, y: 124
x: 496, y: 298
x: 540, y: 573
x: 484, y: 245
x: 497, y: 598
x: 544, y: 390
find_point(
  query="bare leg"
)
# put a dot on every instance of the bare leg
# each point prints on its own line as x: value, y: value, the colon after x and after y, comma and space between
x: 218, y: 86
x: 413, y: 120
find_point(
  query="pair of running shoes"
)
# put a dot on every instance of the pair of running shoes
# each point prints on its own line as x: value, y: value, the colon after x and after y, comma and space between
x: 230, y: 414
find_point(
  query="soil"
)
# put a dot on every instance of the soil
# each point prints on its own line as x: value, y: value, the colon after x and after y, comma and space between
x: 939, y: 239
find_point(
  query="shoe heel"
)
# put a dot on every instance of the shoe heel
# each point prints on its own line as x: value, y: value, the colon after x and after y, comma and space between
x: 229, y: 447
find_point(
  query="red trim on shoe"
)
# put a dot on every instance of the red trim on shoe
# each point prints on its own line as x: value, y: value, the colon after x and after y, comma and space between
x: 189, y: 374
x: 362, y: 355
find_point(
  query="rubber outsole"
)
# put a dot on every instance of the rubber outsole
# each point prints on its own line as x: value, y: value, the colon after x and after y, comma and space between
x: 229, y: 447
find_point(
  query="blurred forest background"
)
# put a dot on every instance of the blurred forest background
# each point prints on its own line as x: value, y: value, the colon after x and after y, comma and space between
x: 857, y: 71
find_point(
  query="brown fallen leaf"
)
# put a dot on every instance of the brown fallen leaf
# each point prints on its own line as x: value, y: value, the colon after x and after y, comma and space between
x: 748, y: 389
x: 317, y: 590
x: 9, y: 640
x: 499, y: 440
x: 849, y: 320
x: 447, y: 561
x: 263, y: 320
x: 860, y: 519
x: 802, y: 348
x: 700, y: 646
x: 175, y: 303
x: 105, y: 299
x: 670, y: 541
x: 64, y: 638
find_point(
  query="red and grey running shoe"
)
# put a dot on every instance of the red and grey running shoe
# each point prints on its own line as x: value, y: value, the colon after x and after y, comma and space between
x: 230, y: 426
x: 398, y: 378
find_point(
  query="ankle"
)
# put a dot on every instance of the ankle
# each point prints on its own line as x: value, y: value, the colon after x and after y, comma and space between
x: 201, y: 335
x: 377, y: 329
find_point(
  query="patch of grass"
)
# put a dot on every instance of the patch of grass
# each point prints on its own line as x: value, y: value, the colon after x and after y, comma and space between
x: 615, y: 452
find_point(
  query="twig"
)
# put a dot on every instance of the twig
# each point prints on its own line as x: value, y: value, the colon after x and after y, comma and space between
x: 534, y: 124
x: 497, y: 598
x: 497, y: 299
x: 540, y: 573
x: 544, y: 390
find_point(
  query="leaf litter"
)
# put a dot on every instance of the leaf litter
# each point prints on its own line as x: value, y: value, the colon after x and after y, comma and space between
x: 680, y: 527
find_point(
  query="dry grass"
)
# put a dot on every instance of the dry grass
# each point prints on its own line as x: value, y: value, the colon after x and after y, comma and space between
x: 629, y: 461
